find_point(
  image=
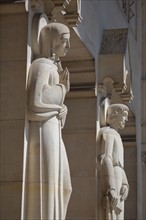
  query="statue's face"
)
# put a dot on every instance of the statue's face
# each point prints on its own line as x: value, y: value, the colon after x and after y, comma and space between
x: 121, y: 119
x: 63, y: 45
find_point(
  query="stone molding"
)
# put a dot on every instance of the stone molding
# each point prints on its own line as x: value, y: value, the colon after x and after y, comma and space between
x: 18, y: 8
x: 63, y: 11
x: 115, y: 66
x: 128, y: 8
x: 66, y: 12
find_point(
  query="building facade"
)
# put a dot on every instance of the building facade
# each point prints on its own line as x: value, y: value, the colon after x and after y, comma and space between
x: 107, y: 58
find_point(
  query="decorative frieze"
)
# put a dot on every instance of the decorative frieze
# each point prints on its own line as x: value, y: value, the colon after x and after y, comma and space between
x: 114, y: 41
x: 129, y: 10
x: 128, y: 7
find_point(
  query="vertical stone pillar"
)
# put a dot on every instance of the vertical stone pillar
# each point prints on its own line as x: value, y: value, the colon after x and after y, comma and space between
x: 143, y: 110
x: 144, y: 182
x: 13, y: 26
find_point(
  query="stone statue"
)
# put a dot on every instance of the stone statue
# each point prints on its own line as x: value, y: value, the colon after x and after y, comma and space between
x: 47, y: 187
x: 113, y: 181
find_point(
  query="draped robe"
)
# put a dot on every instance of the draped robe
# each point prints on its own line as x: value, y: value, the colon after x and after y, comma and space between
x: 111, y: 172
x: 47, y: 185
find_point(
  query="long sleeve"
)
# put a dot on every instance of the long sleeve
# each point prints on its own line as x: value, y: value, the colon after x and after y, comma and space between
x: 106, y: 161
x: 125, y: 181
x: 44, y: 91
x: 45, y: 96
x: 53, y: 94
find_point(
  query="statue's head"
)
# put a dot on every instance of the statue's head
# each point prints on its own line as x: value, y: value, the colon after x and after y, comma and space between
x: 117, y: 115
x: 54, y: 40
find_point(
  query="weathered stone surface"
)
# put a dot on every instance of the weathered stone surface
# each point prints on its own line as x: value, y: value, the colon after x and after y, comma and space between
x: 10, y: 201
x: 11, y: 156
x: 114, y: 187
x: 82, y: 203
x: 13, y: 94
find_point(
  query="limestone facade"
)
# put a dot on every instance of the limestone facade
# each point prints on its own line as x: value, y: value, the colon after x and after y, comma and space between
x: 107, y: 58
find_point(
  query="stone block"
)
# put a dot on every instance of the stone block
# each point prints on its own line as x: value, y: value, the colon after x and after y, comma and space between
x: 10, y: 200
x: 83, y: 199
x: 11, y: 152
x: 12, y: 96
x: 81, y: 151
x: 81, y: 115
x: 131, y: 202
x: 131, y: 170
x: 13, y: 36
x: 130, y: 152
x: 111, y: 65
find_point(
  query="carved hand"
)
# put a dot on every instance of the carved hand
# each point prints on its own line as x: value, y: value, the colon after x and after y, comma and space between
x: 113, y: 198
x: 62, y: 115
x: 63, y: 112
x: 124, y: 192
x: 64, y: 79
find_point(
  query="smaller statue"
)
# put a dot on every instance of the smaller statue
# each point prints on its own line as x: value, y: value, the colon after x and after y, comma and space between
x: 114, y: 185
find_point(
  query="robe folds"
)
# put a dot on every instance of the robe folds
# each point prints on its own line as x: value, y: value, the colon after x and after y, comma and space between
x: 47, y: 184
x: 111, y: 172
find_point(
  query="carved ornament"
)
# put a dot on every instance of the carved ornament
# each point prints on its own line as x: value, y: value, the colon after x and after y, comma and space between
x: 34, y: 5
x: 114, y: 66
x: 127, y: 7
x: 62, y: 11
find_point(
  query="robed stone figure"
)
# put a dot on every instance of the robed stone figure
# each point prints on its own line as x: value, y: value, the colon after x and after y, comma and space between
x: 47, y: 184
x: 114, y: 185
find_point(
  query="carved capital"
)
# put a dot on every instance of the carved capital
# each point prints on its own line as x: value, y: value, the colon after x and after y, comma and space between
x: 73, y: 19
x: 66, y: 11
x: 34, y: 5
x: 127, y: 97
x: 61, y: 2
x: 62, y: 11
x: 57, y: 14
x: 101, y: 89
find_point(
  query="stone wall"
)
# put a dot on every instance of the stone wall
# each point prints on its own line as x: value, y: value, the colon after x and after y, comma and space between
x: 13, y: 54
x: 80, y: 141
x: 80, y: 131
x: 110, y: 15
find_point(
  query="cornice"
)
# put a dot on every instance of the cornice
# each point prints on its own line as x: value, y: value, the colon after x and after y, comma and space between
x: 12, y: 8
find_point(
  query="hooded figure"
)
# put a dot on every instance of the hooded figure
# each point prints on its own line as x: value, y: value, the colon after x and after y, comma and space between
x: 47, y: 185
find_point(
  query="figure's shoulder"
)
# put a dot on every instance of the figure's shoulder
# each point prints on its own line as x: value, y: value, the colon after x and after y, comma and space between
x: 107, y: 131
x: 43, y: 62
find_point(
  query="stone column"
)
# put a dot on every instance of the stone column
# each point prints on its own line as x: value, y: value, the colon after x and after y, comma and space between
x: 13, y: 26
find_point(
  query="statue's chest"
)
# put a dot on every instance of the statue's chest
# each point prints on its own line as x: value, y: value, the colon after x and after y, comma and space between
x: 53, y: 77
x: 118, y: 150
x: 118, y: 145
